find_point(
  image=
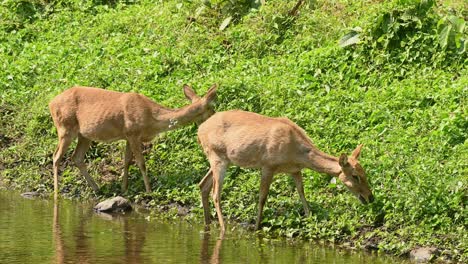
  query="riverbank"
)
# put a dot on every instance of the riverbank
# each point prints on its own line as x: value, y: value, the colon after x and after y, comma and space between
x: 168, y: 213
x: 390, y: 75
x: 69, y: 231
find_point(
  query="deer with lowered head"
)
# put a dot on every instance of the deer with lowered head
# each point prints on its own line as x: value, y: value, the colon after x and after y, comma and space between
x: 275, y: 145
x: 93, y: 114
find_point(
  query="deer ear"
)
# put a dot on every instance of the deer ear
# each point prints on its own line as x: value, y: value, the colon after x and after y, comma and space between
x: 343, y: 161
x: 357, y: 152
x: 190, y: 93
x: 211, y: 94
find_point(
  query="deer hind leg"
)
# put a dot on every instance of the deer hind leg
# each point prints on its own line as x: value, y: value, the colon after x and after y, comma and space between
x: 218, y: 169
x: 78, y: 157
x: 206, y: 185
x: 135, y: 146
x: 127, y: 159
x: 267, y: 178
x: 300, y: 189
x: 64, y: 142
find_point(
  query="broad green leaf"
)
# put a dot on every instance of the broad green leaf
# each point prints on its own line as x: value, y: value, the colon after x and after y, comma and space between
x: 225, y: 23
x: 349, y: 39
x: 199, y: 11
x: 458, y: 23
x: 444, y: 35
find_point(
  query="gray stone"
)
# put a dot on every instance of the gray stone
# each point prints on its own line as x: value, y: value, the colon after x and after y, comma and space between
x: 181, y: 210
x: 424, y: 254
x: 31, y: 195
x: 116, y: 204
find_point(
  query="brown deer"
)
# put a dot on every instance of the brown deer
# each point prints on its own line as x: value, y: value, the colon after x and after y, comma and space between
x: 93, y: 114
x: 276, y: 145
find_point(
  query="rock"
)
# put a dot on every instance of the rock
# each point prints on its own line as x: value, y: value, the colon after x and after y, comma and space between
x: 372, y: 243
x: 246, y: 225
x: 181, y: 210
x: 30, y: 195
x: 105, y: 216
x: 346, y: 245
x: 424, y: 254
x: 371, y: 246
x: 116, y: 204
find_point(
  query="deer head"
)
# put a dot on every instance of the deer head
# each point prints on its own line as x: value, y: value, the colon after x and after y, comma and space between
x: 353, y: 176
x: 207, y: 101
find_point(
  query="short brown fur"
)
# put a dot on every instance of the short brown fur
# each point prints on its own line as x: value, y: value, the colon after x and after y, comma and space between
x: 93, y: 114
x: 276, y: 145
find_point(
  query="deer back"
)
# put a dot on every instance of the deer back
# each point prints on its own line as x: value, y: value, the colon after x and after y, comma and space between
x: 100, y: 114
x: 252, y: 140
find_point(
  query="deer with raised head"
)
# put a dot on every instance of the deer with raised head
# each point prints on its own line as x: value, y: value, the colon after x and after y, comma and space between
x: 93, y: 114
x: 275, y: 145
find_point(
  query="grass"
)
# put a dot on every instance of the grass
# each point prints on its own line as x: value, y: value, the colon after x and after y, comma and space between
x: 400, y: 91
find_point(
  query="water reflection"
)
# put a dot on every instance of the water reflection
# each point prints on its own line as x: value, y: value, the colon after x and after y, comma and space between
x: 57, y: 235
x: 133, y: 237
x: 82, y: 240
x: 81, y: 236
x: 80, y: 253
x: 134, y: 241
x: 205, y: 249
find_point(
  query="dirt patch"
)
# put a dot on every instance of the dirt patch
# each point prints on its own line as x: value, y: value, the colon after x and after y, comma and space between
x: 5, y: 141
x: 173, y: 207
x: 109, y: 172
x: 6, y: 113
x: 424, y: 254
x: 10, y: 134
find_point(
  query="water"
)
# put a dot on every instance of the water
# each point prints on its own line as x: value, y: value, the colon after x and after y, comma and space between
x: 40, y: 231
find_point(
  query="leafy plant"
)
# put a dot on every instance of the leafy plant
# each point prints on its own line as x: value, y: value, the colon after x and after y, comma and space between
x: 452, y: 33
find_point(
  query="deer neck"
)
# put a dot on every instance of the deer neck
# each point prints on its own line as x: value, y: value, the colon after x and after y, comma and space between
x: 169, y: 119
x: 323, y: 163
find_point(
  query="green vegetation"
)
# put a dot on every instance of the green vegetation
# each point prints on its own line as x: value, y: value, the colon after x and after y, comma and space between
x: 389, y: 74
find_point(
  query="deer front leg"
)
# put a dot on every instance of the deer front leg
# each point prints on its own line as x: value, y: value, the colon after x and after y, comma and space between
x: 218, y: 169
x: 64, y: 143
x: 127, y: 159
x: 135, y: 146
x: 267, y: 178
x: 205, y: 186
x: 300, y: 189
x: 78, y: 157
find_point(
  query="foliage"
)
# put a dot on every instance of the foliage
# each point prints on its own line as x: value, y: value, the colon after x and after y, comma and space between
x: 399, y: 87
